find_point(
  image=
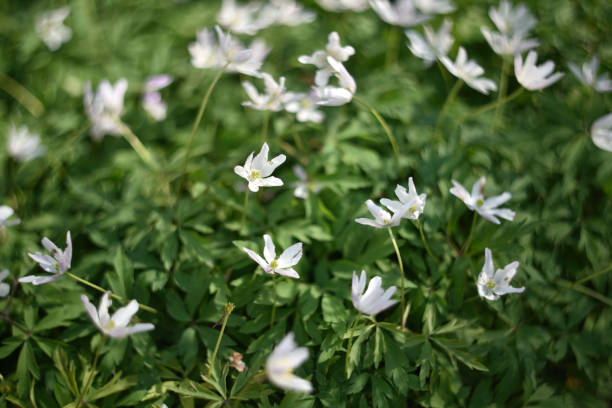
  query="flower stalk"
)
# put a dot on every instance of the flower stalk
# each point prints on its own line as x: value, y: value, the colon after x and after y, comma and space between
x: 228, y: 310
x: 449, y: 98
x: 420, y: 227
x: 382, y: 122
x: 401, y: 266
x: 274, y: 301
x: 468, y: 242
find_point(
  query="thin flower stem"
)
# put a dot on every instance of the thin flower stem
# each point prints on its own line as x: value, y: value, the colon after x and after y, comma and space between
x: 420, y: 227
x: 197, y: 123
x: 401, y: 266
x: 264, y: 131
x: 382, y: 122
x: 492, y: 105
x: 137, y: 145
x: 246, y: 203
x: 468, y: 242
x: 350, y: 344
x: 92, y: 374
x: 228, y: 310
x: 449, y: 99
x: 444, y: 73
x: 21, y: 95
x: 503, y: 87
x: 274, y: 297
x: 100, y: 289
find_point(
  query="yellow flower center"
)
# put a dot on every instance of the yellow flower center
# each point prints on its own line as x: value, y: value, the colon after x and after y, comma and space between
x: 255, y: 174
x: 274, y: 264
x: 479, y: 202
x: 110, y: 325
x: 412, y: 209
x: 491, y: 284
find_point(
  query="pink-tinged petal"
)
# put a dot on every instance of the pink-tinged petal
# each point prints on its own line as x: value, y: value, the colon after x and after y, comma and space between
x: 289, y: 272
x: 50, y: 246
x: 91, y: 310
x: 260, y: 261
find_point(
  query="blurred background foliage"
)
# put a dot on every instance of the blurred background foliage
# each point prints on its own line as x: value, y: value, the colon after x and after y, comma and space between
x: 180, y: 253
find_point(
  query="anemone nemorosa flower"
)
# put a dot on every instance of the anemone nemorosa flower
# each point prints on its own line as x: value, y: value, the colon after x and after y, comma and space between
x: 7, y: 212
x: 493, y: 284
x: 487, y: 208
x: 469, y: 71
x: 375, y: 299
x: 410, y: 199
x: 601, y: 132
x: 57, y: 262
x: 117, y: 325
x: 382, y: 218
x: 257, y: 171
x: 534, y: 77
x: 283, y: 265
x: 104, y: 108
x: 50, y: 27
x: 281, y: 363
x: 587, y: 74
x: 23, y: 145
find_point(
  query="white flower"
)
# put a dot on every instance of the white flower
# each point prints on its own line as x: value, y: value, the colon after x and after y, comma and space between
x: 332, y: 95
x: 512, y: 20
x: 533, y: 77
x: 104, y: 108
x: 303, y: 187
x: 57, y: 262
x: 414, y: 202
x: 469, y: 71
x: 50, y: 27
x: 271, y: 100
x: 304, y: 106
x: 257, y: 170
x: 7, y: 212
x: 375, y: 299
x: 403, y: 13
x: 205, y: 51
x: 435, y: 6
x: 281, y: 363
x: 486, y: 208
x: 382, y: 219
x: 152, y: 100
x: 504, y: 44
x: 588, y: 75
x: 5, y: 288
x: 283, y: 265
x: 284, y: 12
x: 23, y: 145
x: 319, y: 58
x: 601, y: 132
x: 344, y: 5
x: 493, y: 284
x: 433, y: 45
x: 239, y: 19
x: 117, y: 325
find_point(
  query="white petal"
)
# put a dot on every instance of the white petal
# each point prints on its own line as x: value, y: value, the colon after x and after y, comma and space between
x: 290, y: 256
x: 269, y: 249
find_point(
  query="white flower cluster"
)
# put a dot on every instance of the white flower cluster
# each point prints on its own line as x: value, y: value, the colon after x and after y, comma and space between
x: 253, y: 17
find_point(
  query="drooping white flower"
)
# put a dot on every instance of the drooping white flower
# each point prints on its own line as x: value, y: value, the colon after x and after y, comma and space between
x: 304, y: 105
x: 304, y: 186
x: 57, y: 262
x: 403, y: 13
x: 257, y: 171
x: 435, y: 6
x: 532, y: 77
x: 117, y: 325
x: 152, y: 100
x: 23, y: 145
x: 5, y: 288
x: 414, y: 202
x: 493, y: 284
x: 281, y: 363
x: 382, y: 218
x: 283, y: 265
x: 487, y: 208
x: 587, y: 74
x: 469, y: 71
x: 375, y: 299
x: 434, y: 45
x: 601, y: 132
x: 205, y: 51
x: 104, y: 108
x: 7, y: 212
x: 239, y: 19
x: 50, y: 27
x: 344, y: 5
x: 272, y: 99
x: 329, y: 95
x: 284, y: 12
x: 319, y: 58
x: 505, y: 44
x: 511, y: 20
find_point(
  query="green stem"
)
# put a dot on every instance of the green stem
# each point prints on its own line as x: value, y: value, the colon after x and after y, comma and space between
x: 350, y: 345
x: 444, y: 73
x: 264, y: 131
x: 228, y: 310
x: 246, y: 203
x: 503, y: 87
x: 92, y: 374
x: 468, y: 242
x: 100, y: 289
x: 274, y: 297
x: 420, y: 227
x: 137, y: 145
x: 382, y: 122
x: 492, y: 105
x: 401, y: 266
x: 394, y: 37
x: 449, y: 98
x: 197, y: 122
x: 21, y: 95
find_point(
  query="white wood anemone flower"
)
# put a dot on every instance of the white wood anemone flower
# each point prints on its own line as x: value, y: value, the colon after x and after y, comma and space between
x: 435, y: 6
x: 344, y: 5
x: 304, y: 105
x: 23, y: 145
x: 375, y: 299
x: 50, y: 27
x: 7, y: 212
x: 152, y: 101
x: 587, y: 74
x: 493, y: 284
x: 402, y: 13
x: 319, y: 58
x: 382, y: 218
x: 329, y: 95
x: 601, y: 132
x: 257, y: 171
x: 105, y: 107
x: 117, y: 325
x: 56, y: 263
x: 410, y: 199
x: 469, y: 71
x: 533, y: 77
x: 283, y: 265
x: 5, y: 288
x: 512, y: 20
x: 272, y: 99
x: 434, y: 44
x: 504, y: 44
x: 281, y: 363
x: 487, y: 208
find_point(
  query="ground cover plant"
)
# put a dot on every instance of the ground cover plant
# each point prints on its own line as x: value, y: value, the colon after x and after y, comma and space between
x: 331, y: 203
